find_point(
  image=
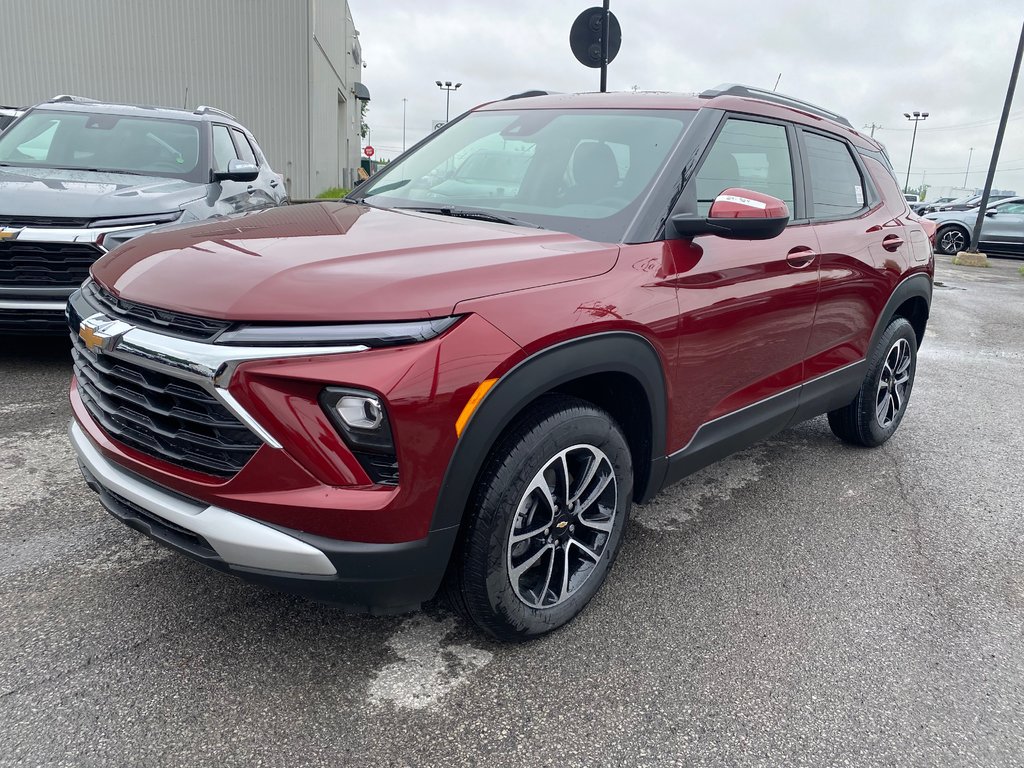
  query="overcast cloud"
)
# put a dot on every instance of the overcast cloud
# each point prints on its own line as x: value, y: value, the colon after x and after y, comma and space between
x: 870, y: 61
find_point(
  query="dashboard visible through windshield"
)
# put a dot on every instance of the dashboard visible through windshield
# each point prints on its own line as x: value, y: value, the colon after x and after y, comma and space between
x: 583, y: 171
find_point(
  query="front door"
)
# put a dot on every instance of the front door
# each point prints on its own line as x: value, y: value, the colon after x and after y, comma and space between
x: 746, y: 307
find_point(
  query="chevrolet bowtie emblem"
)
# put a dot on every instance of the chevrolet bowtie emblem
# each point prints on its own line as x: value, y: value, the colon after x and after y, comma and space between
x: 101, y: 333
x: 9, y: 234
x: 562, y: 524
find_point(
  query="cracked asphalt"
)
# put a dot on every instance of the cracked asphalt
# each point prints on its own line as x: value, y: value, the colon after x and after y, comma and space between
x: 801, y: 603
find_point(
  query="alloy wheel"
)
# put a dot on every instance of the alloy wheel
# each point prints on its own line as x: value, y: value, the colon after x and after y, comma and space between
x: 891, y: 395
x: 952, y: 241
x: 562, y: 526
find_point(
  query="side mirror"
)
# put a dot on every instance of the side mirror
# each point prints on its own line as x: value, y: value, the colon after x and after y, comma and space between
x: 737, y: 214
x: 991, y: 212
x: 238, y: 170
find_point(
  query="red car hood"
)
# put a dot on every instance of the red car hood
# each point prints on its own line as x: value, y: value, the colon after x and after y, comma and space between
x: 341, y: 262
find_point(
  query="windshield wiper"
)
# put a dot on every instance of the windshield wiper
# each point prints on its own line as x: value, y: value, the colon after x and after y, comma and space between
x: 387, y: 188
x: 470, y: 213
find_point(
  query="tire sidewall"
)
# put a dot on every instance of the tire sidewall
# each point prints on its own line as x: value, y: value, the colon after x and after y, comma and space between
x: 898, y: 329
x: 501, y: 499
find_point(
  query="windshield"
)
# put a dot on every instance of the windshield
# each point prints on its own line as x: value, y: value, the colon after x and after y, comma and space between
x: 102, y: 142
x: 579, y: 171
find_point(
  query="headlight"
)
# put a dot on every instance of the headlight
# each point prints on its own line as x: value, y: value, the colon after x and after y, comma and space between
x: 356, y: 334
x: 144, y: 224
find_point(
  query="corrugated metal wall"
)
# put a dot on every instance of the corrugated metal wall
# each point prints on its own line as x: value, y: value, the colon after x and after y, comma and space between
x: 252, y: 58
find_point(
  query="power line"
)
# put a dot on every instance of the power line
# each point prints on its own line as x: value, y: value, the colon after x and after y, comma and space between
x: 957, y: 126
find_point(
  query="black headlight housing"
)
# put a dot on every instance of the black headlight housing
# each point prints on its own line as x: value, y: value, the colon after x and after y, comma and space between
x: 361, y: 418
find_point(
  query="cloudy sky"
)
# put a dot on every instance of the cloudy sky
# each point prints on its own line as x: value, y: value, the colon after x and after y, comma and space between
x: 871, y: 62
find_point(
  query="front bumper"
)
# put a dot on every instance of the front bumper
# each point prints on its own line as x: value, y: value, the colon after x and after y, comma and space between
x: 367, y: 577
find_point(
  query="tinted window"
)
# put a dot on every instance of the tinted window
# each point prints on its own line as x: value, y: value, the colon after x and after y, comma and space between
x: 104, y: 142
x: 244, y: 150
x: 223, y: 148
x: 750, y: 155
x: 836, y: 186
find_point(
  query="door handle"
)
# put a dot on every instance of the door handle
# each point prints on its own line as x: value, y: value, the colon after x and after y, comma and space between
x: 800, y: 257
x: 892, y: 242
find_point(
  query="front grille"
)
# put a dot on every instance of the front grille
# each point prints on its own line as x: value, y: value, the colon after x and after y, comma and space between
x: 162, y: 416
x: 32, y: 321
x: 63, y: 265
x: 46, y: 222
x: 162, y: 320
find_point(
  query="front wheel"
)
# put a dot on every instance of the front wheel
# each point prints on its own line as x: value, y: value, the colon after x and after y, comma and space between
x: 546, y: 520
x: 879, y: 407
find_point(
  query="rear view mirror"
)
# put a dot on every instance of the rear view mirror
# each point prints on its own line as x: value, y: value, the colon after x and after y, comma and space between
x: 737, y: 214
x: 238, y: 170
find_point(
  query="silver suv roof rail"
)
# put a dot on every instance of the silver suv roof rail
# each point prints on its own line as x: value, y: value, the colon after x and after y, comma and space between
x: 205, y: 110
x: 66, y: 97
x: 732, y: 89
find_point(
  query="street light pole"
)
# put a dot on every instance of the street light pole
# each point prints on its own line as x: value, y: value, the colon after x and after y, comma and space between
x: 447, y: 87
x: 969, y: 156
x: 915, y: 118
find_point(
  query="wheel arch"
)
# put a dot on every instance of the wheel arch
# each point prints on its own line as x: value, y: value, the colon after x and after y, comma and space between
x: 587, y: 367
x: 911, y: 299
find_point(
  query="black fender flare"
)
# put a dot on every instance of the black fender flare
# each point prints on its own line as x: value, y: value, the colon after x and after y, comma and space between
x: 611, y: 352
x: 918, y: 285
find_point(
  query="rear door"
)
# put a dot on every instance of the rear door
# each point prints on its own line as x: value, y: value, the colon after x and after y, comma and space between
x: 263, y: 192
x: 863, y: 248
x: 746, y: 306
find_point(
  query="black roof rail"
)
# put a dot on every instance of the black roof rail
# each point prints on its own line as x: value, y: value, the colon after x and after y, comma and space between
x: 205, y: 110
x: 529, y: 94
x: 67, y: 97
x: 732, y: 89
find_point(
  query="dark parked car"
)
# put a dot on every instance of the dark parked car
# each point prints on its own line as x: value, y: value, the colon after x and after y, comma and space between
x: 1002, y: 232
x: 79, y: 177
x: 961, y: 204
x: 378, y: 395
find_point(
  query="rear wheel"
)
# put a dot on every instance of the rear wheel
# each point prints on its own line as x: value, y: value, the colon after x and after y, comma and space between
x: 546, y: 520
x: 951, y: 239
x: 876, y: 412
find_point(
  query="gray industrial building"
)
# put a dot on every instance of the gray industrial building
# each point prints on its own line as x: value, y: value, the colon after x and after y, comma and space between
x: 287, y: 69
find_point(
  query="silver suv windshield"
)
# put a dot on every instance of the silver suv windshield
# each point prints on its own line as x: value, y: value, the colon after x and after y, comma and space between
x: 104, y: 142
x: 583, y: 171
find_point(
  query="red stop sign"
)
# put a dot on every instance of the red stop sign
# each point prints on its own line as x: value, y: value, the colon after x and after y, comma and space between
x: 368, y: 151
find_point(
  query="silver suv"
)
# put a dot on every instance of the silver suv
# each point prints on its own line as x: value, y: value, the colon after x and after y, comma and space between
x: 80, y: 177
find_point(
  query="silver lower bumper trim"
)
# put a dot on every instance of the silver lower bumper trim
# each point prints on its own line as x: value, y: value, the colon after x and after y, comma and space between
x: 237, y: 539
x: 46, y: 306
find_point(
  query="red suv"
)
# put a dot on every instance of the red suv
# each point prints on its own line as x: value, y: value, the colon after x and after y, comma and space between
x: 467, y: 371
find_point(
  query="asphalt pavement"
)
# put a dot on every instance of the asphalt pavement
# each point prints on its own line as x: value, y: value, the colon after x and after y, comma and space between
x: 801, y: 603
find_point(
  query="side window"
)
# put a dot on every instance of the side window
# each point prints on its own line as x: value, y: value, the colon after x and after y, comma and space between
x: 244, y: 149
x: 747, y: 154
x: 836, y: 186
x: 223, y: 148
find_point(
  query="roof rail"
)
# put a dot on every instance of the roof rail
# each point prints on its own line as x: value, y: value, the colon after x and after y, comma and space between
x: 528, y: 94
x: 205, y: 110
x: 732, y: 89
x: 65, y: 97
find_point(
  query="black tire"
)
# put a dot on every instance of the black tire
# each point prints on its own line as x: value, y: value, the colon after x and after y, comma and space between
x: 479, y: 583
x: 861, y: 422
x: 951, y: 239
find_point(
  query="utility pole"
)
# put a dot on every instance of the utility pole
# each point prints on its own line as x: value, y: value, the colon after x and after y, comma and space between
x: 916, y: 118
x: 872, y: 126
x: 403, y: 123
x: 777, y: 85
x: 976, y: 259
x: 969, y: 156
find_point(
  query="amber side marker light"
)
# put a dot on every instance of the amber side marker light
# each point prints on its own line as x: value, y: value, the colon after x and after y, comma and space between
x: 474, y: 401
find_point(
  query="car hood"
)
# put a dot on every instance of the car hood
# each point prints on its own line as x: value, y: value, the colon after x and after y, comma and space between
x: 89, y: 194
x: 337, y: 262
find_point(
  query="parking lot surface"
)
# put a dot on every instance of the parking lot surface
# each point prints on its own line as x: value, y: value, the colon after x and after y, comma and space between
x: 802, y: 603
